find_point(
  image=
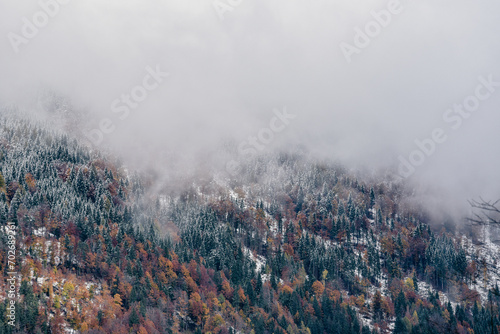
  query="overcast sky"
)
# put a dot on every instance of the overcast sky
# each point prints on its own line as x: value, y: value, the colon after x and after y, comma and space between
x: 230, y: 63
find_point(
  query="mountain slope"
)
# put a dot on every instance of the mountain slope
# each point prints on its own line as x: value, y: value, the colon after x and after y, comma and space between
x: 288, y: 246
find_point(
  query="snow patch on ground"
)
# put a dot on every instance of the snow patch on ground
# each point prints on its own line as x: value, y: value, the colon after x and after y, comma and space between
x: 487, y: 252
x: 259, y: 260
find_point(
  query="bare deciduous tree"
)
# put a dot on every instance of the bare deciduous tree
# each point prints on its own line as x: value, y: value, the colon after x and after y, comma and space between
x: 489, y: 212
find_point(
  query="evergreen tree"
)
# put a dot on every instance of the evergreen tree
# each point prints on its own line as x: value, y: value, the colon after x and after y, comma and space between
x: 377, y: 306
x: 400, y: 304
x: 400, y: 326
x: 28, y: 310
x: 133, y: 318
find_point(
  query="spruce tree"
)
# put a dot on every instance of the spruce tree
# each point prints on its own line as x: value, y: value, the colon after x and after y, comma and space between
x: 400, y: 304
x: 377, y: 306
x: 133, y: 318
x: 400, y: 326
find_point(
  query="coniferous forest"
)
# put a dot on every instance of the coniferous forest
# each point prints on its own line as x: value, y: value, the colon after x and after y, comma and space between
x: 289, y: 245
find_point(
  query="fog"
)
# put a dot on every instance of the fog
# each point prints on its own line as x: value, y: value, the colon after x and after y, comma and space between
x: 233, y: 66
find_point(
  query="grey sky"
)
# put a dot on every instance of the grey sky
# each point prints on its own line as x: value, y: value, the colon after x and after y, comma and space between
x: 226, y: 76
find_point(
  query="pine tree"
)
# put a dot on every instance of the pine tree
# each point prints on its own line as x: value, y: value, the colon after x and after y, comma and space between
x: 29, y: 307
x: 81, y: 183
x: 377, y: 306
x: 14, y: 206
x: 400, y: 326
x: 316, y: 307
x: 258, y: 284
x: 400, y: 304
x: 379, y: 218
x: 341, y: 209
x: 236, y: 299
x: 100, y: 317
x: 3, y: 213
x: 133, y: 318
x: 460, y: 262
x: 415, y: 282
x: 453, y: 320
x: 250, y: 292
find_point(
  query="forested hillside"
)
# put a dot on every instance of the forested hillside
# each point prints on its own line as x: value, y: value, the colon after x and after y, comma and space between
x: 288, y: 246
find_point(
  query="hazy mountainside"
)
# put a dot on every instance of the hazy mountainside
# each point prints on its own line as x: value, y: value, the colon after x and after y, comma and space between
x: 287, y: 246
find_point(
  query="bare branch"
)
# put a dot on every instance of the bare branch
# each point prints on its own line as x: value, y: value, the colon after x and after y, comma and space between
x: 490, y: 212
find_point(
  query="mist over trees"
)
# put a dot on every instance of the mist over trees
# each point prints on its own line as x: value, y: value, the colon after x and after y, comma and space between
x: 287, y: 246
